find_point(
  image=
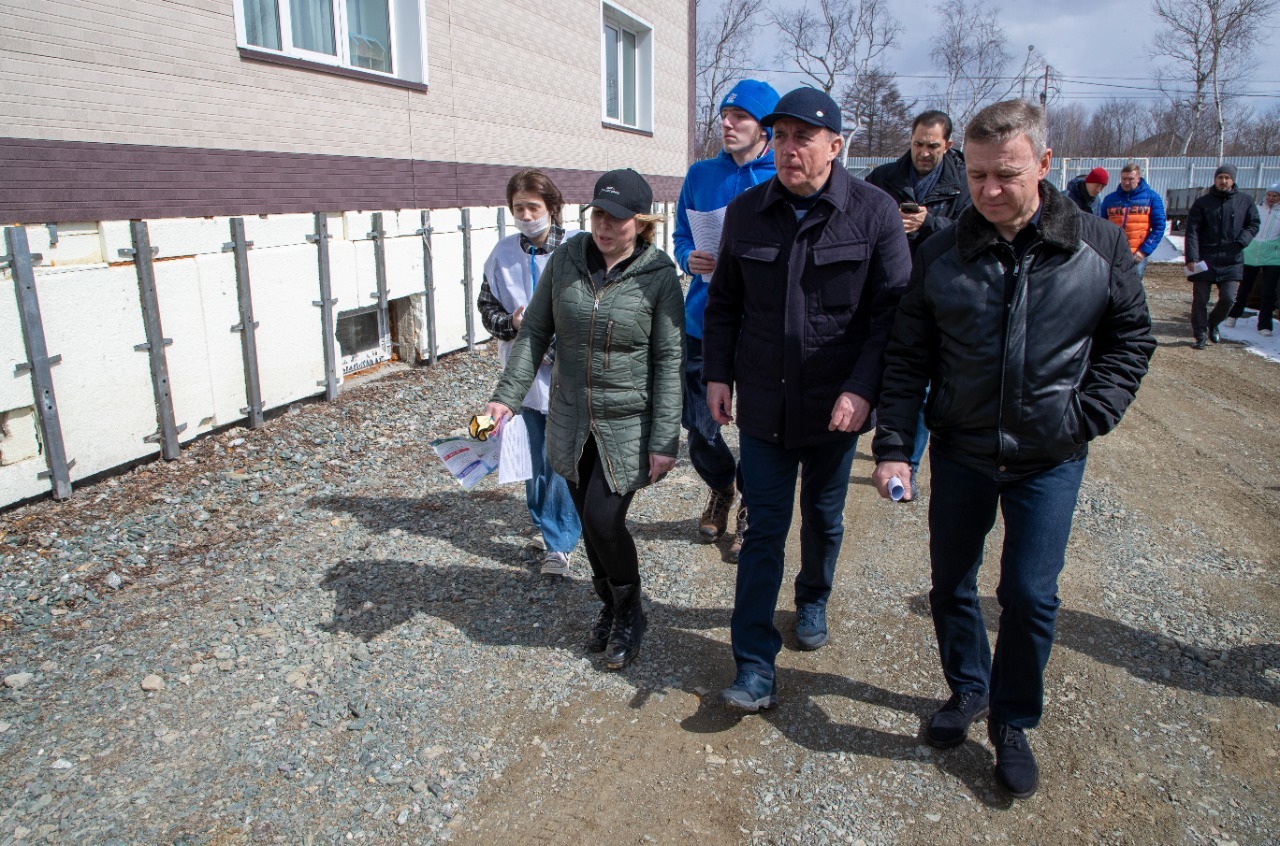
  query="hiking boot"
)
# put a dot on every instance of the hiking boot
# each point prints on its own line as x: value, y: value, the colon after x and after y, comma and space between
x: 629, y: 624
x: 751, y: 691
x: 949, y: 725
x: 740, y: 530
x: 811, y: 626
x: 1016, y: 767
x: 555, y: 564
x: 715, y: 517
x: 604, y: 621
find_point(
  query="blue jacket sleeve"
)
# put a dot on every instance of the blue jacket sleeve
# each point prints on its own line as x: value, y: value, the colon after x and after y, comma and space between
x: 1156, y: 235
x: 682, y: 237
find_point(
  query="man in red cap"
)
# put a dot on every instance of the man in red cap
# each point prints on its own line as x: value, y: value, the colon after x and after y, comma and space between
x: 1086, y: 190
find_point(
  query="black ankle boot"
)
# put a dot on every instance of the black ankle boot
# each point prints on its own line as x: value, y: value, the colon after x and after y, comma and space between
x: 629, y: 623
x: 604, y: 623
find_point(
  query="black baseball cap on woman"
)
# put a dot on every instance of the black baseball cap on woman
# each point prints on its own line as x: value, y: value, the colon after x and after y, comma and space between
x: 623, y: 194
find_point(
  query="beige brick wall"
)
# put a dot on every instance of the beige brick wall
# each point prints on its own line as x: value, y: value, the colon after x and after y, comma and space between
x: 506, y: 85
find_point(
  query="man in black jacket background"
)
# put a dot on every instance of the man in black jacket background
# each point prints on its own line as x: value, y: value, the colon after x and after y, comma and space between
x: 1219, y: 226
x: 1030, y: 323
x: 928, y: 181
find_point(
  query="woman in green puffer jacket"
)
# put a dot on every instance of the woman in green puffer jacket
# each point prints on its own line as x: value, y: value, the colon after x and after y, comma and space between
x: 613, y: 302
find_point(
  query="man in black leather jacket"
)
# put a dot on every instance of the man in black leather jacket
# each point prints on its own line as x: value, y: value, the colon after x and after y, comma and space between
x: 1031, y: 324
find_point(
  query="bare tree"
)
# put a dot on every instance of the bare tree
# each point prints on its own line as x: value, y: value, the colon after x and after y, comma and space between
x: 1069, y: 131
x: 724, y: 44
x: 881, y: 115
x: 971, y: 50
x: 838, y: 45
x: 1206, y: 42
x: 1116, y: 128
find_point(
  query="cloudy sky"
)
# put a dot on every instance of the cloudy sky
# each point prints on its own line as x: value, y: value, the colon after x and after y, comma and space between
x: 1099, y: 47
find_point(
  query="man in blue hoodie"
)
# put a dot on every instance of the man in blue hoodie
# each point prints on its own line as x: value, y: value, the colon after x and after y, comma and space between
x: 746, y: 160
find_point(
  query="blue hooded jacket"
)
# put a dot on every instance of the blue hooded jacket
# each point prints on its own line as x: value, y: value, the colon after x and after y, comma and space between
x: 710, y: 185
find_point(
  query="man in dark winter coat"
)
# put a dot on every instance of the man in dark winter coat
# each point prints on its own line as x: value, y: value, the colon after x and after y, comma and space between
x: 1219, y: 226
x: 811, y: 267
x: 928, y: 181
x: 1029, y: 322
x: 1086, y: 190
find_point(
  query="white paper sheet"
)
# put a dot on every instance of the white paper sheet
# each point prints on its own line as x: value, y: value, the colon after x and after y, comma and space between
x: 706, y: 228
x: 514, y: 461
x: 1198, y: 267
x: 468, y: 460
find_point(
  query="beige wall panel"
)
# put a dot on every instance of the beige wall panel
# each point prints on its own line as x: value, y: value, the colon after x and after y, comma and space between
x: 176, y: 78
x: 290, y: 353
x: 222, y: 311
x: 183, y: 317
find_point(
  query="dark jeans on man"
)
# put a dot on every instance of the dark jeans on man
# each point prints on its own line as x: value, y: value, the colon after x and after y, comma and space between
x: 1201, y: 318
x: 1037, y: 513
x: 708, y: 453
x: 1269, y: 277
x: 769, y: 471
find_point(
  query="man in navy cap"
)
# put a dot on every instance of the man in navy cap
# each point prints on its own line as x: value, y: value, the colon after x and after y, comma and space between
x: 810, y: 270
x: 745, y: 161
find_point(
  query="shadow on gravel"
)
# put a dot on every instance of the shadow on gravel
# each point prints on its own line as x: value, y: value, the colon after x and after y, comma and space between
x: 518, y: 608
x: 453, y: 517
x: 1233, y: 672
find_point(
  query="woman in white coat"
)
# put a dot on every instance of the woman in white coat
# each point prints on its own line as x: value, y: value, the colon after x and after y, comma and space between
x: 510, y: 275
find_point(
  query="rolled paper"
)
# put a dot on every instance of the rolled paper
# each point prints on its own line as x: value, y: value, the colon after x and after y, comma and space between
x: 896, y: 489
x: 481, y: 426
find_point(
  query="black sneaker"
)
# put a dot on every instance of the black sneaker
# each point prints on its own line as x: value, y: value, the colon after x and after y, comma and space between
x: 1214, y: 335
x: 1199, y: 344
x: 949, y: 725
x: 811, y: 626
x: 1016, y: 767
x: 751, y: 691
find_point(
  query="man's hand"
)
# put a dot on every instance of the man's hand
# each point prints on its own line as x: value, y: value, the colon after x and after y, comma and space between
x: 720, y: 402
x: 1191, y: 267
x: 1138, y: 255
x: 849, y: 414
x: 887, y: 470
x: 517, y: 317
x: 701, y: 262
x: 912, y: 221
x: 659, y: 466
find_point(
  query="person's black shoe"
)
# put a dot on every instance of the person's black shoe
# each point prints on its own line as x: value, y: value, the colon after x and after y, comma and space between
x: 629, y: 624
x: 1214, y: 334
x: 949, y: 725
x: 811, y: 626
x: 604, y: 622
x: 1016, y: 767
x: 1199, y: 344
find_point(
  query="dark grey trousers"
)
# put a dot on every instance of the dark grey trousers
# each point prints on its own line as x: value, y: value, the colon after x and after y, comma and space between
x: 1201, y: 317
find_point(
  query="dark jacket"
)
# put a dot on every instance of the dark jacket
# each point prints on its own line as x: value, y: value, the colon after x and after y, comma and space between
x: 800, y: 311
x: 1078, y: 195
x: 1027, y: 361
x: 1219, y: 227
x: 949, y: 197
x: 618, y: 372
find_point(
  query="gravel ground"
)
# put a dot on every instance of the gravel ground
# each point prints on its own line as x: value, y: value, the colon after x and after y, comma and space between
x: 310, y: 634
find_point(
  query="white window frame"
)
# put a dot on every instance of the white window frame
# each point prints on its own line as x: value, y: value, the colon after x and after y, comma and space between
x: 408, y: 48
x: 618, y: 18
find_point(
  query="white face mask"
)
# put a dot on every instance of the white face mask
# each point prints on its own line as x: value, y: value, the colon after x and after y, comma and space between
x: 533, y: 228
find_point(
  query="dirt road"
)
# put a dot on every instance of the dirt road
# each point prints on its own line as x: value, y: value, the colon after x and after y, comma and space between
x: 309, y: 634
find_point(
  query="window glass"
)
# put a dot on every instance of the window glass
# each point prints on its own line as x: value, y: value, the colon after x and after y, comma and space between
x: 369, y: 33
x: 628, y: 78
x: 311, y: 22
x: 262, y: 23
x: 611, y: 71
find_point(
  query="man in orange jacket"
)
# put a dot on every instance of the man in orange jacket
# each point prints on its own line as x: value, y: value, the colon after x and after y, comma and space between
x: 1137, y: 209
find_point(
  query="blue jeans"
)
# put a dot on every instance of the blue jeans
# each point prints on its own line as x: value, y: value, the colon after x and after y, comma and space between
x: 546, y: 492
x: 922, y: 439
x: 708, y: 453
x: 1037, y: 513
x: 769, y: 472
x: 1141, y: 267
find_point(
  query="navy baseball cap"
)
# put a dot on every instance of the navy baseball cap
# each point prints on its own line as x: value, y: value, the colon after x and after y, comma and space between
x: 809, y: 105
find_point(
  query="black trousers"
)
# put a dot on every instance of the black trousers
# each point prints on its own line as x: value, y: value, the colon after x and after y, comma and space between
x: 603, y: 514
x: 1269, y: 277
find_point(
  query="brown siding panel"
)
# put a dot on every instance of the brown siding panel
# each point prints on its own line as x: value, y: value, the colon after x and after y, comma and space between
x: 64, y: 181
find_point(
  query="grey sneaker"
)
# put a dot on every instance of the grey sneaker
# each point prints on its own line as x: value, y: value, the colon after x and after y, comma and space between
x: 811, y: 626
x: 555, y: 564
x: 535, y: 543
x: 751, y: 692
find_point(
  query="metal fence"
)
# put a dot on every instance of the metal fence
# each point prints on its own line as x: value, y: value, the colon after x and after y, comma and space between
x: 1161, y: 173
